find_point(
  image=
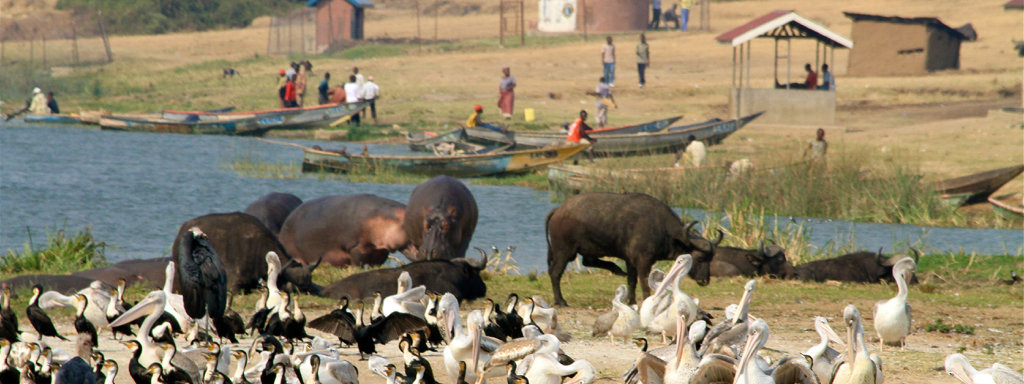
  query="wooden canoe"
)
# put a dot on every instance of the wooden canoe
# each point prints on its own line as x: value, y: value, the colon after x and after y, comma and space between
x: 423, y: 142
x: 669, y: 140
x: 61, y: 119
x: 298, y: 118
x: 168, y: 114
x: 540, y: 139
x: 1006, y: 210
x: 976, y: 188
x: 256, y: 126
x: 494, y: 163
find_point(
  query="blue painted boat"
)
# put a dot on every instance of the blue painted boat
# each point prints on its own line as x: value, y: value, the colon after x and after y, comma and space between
x: 64, y: 119
x: 492, y: 162
x: 254, y: 126
x: 298, y: 118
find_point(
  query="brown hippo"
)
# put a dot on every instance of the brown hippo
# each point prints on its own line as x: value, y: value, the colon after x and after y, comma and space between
x: 273, y: 208
x: 345, y: 230
x: 441, y: 218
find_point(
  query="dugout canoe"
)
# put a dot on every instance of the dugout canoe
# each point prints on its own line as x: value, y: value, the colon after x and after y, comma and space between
x: 255, y: 126
x: 61, y: 119
x: 976, y: 188
x: 495, y: 162
x: 185, y: 115
x: 1006, y: 210
x: 485, y: 136
x: 297, y: 118
x: 711, y: 132
x: 424, y: 142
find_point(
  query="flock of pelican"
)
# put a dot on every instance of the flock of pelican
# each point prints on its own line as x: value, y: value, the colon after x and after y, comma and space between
x: 519, y: 341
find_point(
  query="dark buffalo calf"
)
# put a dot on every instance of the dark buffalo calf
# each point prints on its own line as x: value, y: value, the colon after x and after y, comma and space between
x: 460, y: 277
x: 440, y: 219
x: 763, y: 261
x: 242, y: 242
x: 273, y: 208
x: 636, y: 228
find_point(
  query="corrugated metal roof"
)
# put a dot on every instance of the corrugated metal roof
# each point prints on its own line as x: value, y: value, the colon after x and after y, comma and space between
x: 929, y: 21
x: 782, y: 24
x: 355, y: 3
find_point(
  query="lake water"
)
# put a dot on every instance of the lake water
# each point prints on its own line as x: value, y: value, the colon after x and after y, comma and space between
x: 135, y: 189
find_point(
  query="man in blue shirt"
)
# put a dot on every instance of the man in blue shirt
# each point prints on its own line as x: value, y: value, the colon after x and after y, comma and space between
x: 323, y: 87
x: 828, y: 83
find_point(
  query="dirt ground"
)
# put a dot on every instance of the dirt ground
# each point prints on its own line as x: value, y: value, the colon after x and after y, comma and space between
x: 998, y: 330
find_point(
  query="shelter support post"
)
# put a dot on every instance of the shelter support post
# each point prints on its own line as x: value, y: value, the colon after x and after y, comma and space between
x: 789, y: 62
x: 775, y: 69
x: 733, y: 78
x: 748, y: 65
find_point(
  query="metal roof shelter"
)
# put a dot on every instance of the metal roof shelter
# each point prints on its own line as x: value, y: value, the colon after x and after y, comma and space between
x: 780, y: 25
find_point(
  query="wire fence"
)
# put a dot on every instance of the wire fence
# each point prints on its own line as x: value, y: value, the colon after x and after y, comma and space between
x: 294, y: 33
x: 59, y: 44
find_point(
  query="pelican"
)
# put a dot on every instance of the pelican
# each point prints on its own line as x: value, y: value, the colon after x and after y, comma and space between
x: 201, y: 277
x: 732, y: 334
x: 652, y: 304
x: 664, y: 322
x: 96, y: 292
x: 174, y: 304
x: 545, y: 344
x: 621, y: 321
x: 857, y: 367
x: 273, y: 270
x: 328, y: 370
x: 407, y: 300
x: 959, y: 366
x: 152, y: 306
x: 460, y: 346
x: 545, y: 369
x: 823, y: 356
x: 893, y: 316
x: 790, y: 369
x: 682, y: 367
x: 40, y: 321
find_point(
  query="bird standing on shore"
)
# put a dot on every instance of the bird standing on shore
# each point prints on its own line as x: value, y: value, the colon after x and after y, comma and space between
x: 620, y: 322
x: 40, y: 321
x: 201, y: 278
x: 893, y: 316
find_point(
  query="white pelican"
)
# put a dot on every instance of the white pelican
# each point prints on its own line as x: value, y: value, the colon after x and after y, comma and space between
x: 665, y: 321
x: 174, y: 304
x: 547, y: 321
x: 893, y: 316
x: 545, y: 369
x: 823, y: 356
x: 460, y: 345
x: 959, y: 366
x: 681, y: 367
x: 517, y: 350
x: 97, y: 294
x: 273, y: 270
x: 620, y: 322
x: 731, y: 334
x: 653, y: 304
x: 152, y: 306
x: 407, y: 300
x: 857, y: 366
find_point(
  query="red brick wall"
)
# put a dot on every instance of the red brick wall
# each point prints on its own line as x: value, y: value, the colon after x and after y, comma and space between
x: 614, y: 15
x: 333, y: 22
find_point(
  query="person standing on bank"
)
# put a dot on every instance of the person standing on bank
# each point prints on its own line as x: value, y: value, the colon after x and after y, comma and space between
x: 828, y: 83
x: 360, y: 80
x: 655, y: 14
x: 301, y: 79
x: 684, y: 13
x: 608, y: 61
x: 506, y: 93
x: 604, y: 98
x: 643, y: 59
x: 817, y: 147
x: 290, y: 93
x: 370, y: 94
x: 353, y: 94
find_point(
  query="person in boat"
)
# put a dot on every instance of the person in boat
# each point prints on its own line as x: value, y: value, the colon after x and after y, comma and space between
x: 474, y: 120
x: 818, y: 147
x: 51, y: 103
x: 578, y: 134
x: 38, y: 104
x: 696, y: 152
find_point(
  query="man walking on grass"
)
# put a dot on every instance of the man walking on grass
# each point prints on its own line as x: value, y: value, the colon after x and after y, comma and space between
x: 643, y: 59
x: 608, y: 61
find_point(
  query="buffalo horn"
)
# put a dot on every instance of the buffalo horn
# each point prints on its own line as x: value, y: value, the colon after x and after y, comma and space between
x: 313, y: 266
x: 760, y: 249
x: 686, y: 230
x: 289, y: 264
x: 718, y: 240
x: 917, y: 254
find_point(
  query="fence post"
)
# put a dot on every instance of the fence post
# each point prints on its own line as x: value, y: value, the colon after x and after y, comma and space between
x: 302, y: 33
x: 270, y: 34
x: 583, y: 9
x: 436, y: 6
x: 522, y: 23
x: 106, y: 40
x: 44, y: 50
x: 419, y: 39
x: 74, y: 43
x: 501, y: 24
x: 290, y: 41
x: 32, y: 50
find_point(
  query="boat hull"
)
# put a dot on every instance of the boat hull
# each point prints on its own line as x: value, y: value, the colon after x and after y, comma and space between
x: 297, y: 118
x: 490, y: 164
x: 241, y: 127
x: 65, y: 119
x: 976, y: 188
x: 426, y: 143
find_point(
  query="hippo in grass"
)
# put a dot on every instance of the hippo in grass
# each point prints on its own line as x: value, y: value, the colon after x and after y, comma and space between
x: 242, y: 242
x: 440, y: 219
x: 273, y: 208
x: 344, y: 230
x: 634, y: 227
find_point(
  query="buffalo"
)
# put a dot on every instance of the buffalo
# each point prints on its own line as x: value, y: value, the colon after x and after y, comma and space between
x: 111, y: 274
x: 857, y: 267
x: 242, y: 242
x: 636, y: 228
x: 273, y: 208
x: 440, y: 219
x: 763, y: 261
x: 460, y: 277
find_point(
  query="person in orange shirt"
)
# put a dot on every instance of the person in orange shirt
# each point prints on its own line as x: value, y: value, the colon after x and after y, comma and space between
x: 578, y: 133
x: 812, y: 78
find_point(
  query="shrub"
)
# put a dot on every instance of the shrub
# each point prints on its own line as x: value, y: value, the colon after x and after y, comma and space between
x: 62, y: 254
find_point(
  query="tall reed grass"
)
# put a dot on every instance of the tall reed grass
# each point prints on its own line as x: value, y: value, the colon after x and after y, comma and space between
x: 62, y: 254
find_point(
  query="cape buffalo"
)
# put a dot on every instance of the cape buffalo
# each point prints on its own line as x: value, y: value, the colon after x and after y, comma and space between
x: 633, y: 227
x: 359, y: 229
x: 858, y: 267
x: 273, y: 208
x: 242, y: 242
x: 731, y: 261
x: 440, y: 219
x: 460, y: 277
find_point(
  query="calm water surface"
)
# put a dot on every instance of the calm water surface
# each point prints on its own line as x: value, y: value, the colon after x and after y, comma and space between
x: 135, y: 189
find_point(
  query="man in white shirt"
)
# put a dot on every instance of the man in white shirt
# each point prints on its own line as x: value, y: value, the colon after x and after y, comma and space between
x: 370, y: 94
x: 608, y: 62
x: 353, y: 94
x: 696, y: 151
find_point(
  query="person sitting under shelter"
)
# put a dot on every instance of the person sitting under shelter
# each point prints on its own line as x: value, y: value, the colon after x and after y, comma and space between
x: 474, y: 120
x: 828, y: 83
x: 811, y: 82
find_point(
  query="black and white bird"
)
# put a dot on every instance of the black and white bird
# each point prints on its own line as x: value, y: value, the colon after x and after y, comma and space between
x: 201, y: 277
x: 40, y: 321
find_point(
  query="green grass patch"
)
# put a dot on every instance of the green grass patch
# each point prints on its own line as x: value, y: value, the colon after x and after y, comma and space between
x: 63, y: 253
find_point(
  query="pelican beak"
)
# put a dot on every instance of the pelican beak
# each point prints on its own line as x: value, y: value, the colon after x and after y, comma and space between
x: 578, y: 377
x: 145, y: 307
x: 832, y: 334
x: 669, y: 278
x: 747, y: 354
x: 476, y: 333
x: 959, y: 373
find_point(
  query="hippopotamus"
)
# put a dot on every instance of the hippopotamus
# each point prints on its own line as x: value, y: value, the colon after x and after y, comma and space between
x: 242, y: 242
x: 111, y: 274
x: 273, y: 208
x: 153, y: 271
x: 344, y: 230
x: 58, y: 283
x: 440, y: 219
